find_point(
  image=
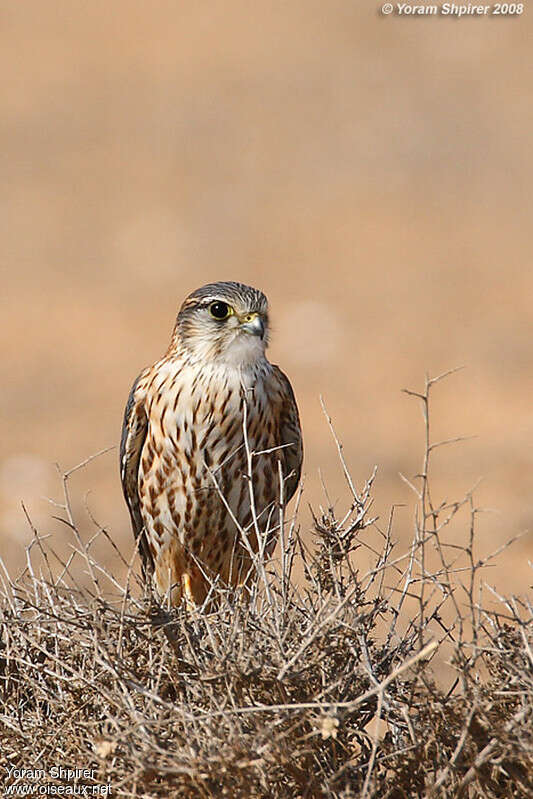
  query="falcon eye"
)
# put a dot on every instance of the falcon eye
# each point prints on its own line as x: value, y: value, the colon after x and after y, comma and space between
x: 220, y: 310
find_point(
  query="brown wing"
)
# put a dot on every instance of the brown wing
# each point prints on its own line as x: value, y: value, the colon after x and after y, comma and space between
x: 291, y: 434
x: 134, y: 430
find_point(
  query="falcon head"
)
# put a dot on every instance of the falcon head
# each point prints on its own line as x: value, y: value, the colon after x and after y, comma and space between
x: 225, y: 322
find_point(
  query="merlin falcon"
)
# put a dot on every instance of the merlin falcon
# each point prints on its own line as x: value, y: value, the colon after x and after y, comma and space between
x: 211, y: 446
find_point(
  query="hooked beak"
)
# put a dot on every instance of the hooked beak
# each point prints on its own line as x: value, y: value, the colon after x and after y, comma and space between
x: 253, y: 324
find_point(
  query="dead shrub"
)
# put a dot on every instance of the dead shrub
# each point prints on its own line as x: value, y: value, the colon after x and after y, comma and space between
x: 322, y: 687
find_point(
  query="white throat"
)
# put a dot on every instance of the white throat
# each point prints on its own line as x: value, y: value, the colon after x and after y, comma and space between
x: 243, y: 352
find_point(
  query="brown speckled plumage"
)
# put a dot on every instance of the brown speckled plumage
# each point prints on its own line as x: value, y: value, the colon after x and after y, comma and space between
x: 183, y: 444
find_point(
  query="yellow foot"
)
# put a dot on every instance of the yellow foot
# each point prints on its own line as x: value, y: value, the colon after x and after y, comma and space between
x: 187, y: 589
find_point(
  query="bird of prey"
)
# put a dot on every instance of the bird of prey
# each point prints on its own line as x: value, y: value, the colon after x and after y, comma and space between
x: 211, y: 445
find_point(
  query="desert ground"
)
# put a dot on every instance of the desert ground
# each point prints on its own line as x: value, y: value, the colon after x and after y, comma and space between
x: 372, y: 175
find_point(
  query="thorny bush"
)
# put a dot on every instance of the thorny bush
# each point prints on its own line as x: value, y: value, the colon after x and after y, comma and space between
x: 321, y: 686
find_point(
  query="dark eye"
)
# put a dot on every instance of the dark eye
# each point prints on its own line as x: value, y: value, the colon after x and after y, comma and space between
x: 220, y: 310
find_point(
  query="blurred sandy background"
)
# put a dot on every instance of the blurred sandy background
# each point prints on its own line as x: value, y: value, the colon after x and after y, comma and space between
x: 372, y: 175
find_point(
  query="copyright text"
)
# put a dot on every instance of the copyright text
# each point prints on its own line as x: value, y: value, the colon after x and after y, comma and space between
x: 456, y: 10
